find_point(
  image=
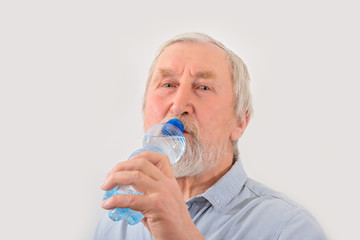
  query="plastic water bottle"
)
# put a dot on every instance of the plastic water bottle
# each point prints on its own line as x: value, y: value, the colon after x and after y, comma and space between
x: 166, y: 138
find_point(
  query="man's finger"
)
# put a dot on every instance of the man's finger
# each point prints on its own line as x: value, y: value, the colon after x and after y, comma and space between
x: 144, y: 162
x: 141, y: 182
x: 160, y: 161
x: 132, y: 201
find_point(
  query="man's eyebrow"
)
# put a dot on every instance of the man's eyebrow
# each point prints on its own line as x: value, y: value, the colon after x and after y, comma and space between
x: 161, y: 73
x: 205, y: 75
x: 164, y: 72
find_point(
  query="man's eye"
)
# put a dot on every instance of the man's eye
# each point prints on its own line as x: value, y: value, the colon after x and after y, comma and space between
x: 204, y: 87
x: 168, y: 85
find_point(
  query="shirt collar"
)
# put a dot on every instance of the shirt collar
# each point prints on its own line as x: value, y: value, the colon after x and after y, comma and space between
x: 227, y: 187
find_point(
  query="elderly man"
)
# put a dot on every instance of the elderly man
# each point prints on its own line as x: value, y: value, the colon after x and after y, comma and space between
x: 206, y: 195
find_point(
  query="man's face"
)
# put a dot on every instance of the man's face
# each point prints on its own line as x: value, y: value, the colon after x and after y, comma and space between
x: 193, y: 80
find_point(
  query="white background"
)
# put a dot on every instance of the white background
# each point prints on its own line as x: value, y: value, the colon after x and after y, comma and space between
x: 72, y: 77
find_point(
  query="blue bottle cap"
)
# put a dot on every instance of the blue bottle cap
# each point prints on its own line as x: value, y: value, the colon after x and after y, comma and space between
x: 176, y: 122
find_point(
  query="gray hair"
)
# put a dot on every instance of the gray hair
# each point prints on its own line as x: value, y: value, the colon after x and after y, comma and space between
x: 240, y: 76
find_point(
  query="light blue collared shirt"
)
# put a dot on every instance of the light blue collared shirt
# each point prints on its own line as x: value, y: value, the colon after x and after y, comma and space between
x: 235, y: 207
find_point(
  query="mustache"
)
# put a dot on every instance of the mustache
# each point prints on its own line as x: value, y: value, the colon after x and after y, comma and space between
x: 190, y: 125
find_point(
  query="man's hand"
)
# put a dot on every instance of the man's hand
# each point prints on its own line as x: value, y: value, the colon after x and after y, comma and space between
x: 162, y: 204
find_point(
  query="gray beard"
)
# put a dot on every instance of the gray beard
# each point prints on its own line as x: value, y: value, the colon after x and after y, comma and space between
x: 199, y: 157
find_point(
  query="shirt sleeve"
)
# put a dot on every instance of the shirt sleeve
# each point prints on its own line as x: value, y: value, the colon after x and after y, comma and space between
x: 302, y: 226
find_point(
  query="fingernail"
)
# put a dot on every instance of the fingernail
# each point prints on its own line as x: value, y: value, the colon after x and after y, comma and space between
x: 105, y: 203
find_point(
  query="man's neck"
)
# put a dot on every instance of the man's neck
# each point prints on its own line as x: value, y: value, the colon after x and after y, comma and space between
x: 193, y: 186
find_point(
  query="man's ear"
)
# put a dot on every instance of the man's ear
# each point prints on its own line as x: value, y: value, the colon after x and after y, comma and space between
x: 239, y: 129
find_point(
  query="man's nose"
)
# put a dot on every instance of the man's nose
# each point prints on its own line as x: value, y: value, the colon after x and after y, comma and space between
x: 182, y: 101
